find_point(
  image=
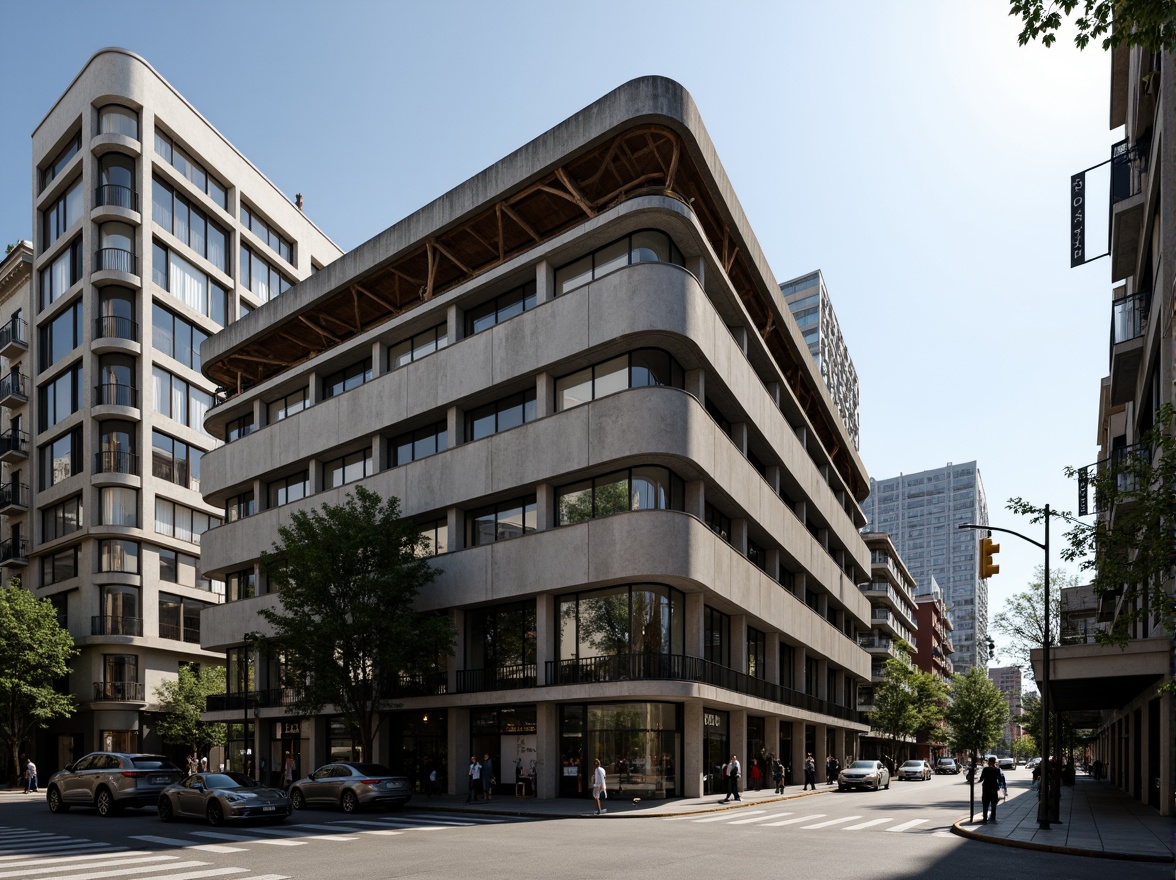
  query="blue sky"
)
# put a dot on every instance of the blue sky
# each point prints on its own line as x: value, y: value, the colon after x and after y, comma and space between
x: 910, y: 150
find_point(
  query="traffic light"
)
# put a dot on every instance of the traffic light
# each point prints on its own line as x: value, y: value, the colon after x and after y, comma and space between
x: 988, y: 549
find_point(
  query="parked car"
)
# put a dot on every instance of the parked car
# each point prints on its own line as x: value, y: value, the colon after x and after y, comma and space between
x: 914, y: 769
x: 1032, y: 763
x: 1006, y: 763
x: 864, y: 774
x: 947, y: 765
x: 350, y: 787
x: 110, y: 781
x: 222, y: 797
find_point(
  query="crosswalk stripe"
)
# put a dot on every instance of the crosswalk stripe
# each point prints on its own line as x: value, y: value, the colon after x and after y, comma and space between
x: 73, y: 849
x: 290, y: 832
x: 829, y: 822
x: 241, y: 838
x: 62, y: 860
x: 869, y: 824
x: 109, y: 863
x: 192, y: 875
x: 761, y: 818
x: 794, y: 821
x: 464, y: 819
x: 905, y: 825
x: 267, y: 877
x: 433, y: 821
x: 407, y: 826
x: 97, y: 875
x: 203, y: 847
x: 42, y: 845
x: 387, y: 831
x: 726, y: 817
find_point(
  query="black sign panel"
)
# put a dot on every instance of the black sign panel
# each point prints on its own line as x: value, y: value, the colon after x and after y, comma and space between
x: 1077, y: 219
x: 1083, y: 492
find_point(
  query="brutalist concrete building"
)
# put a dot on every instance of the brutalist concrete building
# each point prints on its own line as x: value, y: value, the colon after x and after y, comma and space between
x: 590, y: 319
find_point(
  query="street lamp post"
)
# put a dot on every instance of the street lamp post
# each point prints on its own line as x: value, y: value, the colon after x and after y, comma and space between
x: 1043, y: 810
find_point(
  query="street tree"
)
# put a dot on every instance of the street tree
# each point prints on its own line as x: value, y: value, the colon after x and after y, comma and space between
x: 35, y: 651
x: 1147, y: 23
x: 182, y: 701
x: 976, y: 713
x: 1025, y: 746
x: 1021, y: 622
x: 908, y: 702
x: 346, y: 628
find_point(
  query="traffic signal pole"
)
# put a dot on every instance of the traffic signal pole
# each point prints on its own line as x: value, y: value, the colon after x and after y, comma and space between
x: 987, y: 549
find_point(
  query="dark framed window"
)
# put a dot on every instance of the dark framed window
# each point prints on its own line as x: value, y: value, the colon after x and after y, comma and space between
x: 757, y: 653
x: 192, y: 226
x: 239, y: 427
x: 61, y: 215
x: 500, y: 636
x: 640, y: 488
x: 261, y: 277
x: 179, y: 618
x: 59, y: 566
x: 180, y: 522
x: 499, y: 522
x: 420, y: 443
x: 436, y: 533
x: 626, y: 619
x: 348, y: 469
x: 501, y: 308
x: 501, y: 415
x: 643, y: 367
x: 192, y: 287
x: 50, y: 172
x: 179, y: 400
x: 118, y: 506
x: 757, y: 555
x: 117, y: 119
x: 182, y: 569
x: 118, y: 555
x: 175, y: 461
x: 716, y: 636
x: 268, y: 233
x: 60, y: 275
x: 348, y: 378
x: 60, y: 336
x: 240, y: 585
x: 284, y: 407
x: 644, y: 246
x: 61, y: 458
x: 61, y: 519
x: 240, y: 506
x: 416, y: 347
x: 173, y: 336
x: 178, y: 158
x: 292, y: 488
x: 718, y: 521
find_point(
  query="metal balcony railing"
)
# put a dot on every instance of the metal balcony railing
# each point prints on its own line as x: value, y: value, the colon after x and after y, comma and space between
x: 14, y: 443
x: 116, y: 394
x: 105, y: 625
x: 116, y: 196
x: 417, y: 684
x: 14, y: 495
x: 498, y: 678
x: 180, y: 633
x: 116, y: 463
x: 1128, y: 317
x: 14, y: 333
x: 119, y: 691
x: 116, y: 327
x: 14, y: 551
x: 13, y: 386
x: 116, y: 260
x: 1128, y: 170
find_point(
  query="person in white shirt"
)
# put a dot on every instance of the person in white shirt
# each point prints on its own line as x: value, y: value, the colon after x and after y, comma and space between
x: 732, y: 771
x: 598, y: 787
x: 475, y: 779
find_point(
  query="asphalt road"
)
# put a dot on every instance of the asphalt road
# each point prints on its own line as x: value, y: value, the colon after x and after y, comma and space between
x: 900, y: 833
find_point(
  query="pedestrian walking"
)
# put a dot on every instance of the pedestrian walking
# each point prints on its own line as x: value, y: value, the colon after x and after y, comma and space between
x: 599, y: 786
x: 30, y: 776
x: 810, y: 773
x: 193, y: 763
x: 778, y: 775
x: 757, y: 774
x: 488, y: 780
x: 287, y: 771
x: 989, y: 791
x: 731, y: 771
x: 475, y: 777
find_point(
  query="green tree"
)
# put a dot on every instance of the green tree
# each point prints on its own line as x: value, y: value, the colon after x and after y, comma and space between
x: 1147, y: 23
x: 35, y: 651
x: 347, y: 576
x: 182, y: 701
x: 976, y: 712
x: 1025, y: 747
x: 1021, y: 622
x: 908, y: 702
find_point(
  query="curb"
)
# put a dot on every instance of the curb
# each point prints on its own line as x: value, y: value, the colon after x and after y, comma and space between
x: 957, y: 828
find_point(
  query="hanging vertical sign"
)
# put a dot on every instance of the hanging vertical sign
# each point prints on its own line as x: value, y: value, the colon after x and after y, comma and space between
x: 1083, y: 491
x: 1077, y: 219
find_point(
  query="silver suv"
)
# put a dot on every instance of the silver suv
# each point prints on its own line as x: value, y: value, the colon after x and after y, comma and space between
x: 109, y: 781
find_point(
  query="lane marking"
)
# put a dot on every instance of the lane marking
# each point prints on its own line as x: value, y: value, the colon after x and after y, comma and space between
x: 829, y: 822
x: 97, y: 875
x: 869, y: 824
x: 63, y: 859
x: 905, y: 825
x: 794, y: 821
x: 406, y: 826
x: 191, y: 875
x: 189, y: 844
x: 135, y: 860
x: 241, y: 838
x: 290, y: 832
x: 726, y: 817
x: 386, y: 832
x: 761, y: 818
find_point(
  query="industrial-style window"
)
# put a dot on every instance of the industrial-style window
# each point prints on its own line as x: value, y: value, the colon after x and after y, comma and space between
x: 346, y: 379
x: 420, y: 443
x: 509, y: 519
x: 501, y: 415
x: 646, y: 246
x: 639, y: 488
x: 416, y: 347
x: 499, y: 309
x: 643, y: 367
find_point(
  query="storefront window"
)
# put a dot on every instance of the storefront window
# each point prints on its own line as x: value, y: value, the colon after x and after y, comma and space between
x: 638, y: 744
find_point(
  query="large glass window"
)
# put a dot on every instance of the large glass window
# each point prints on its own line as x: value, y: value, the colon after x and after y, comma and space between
x: 646, y: 366
x: 420, y: 443
x: 499, y: 522
x: 51, y: 171
x: 268, y: 234
x: 176, y: 214
x: 501, y: 638
x: 179, y: 401
x: 240, y: 585
x: 182, y: 569
x: 292, y: 488
x: 118, y: 555
x: 436, y: 537
x: 118, y: 506
x: 630, y: 619
x: 179, y: 618
x: 639, y: 746
x: 60, y: 275
x: 348, y: 378
x: 501, y: 415
x: 180, y: 522
x: 239, y: 427
x: 189, y: 285
x: 646, y: 246
x: 114, y: 119
x: 61, y: 215
x: 61, y: 458
x: 116, y: 381
x: 639, y: 488
x: 59, y: 566
x: 60, y: 397
x: 175, y: 461
x: 499, y: 309
x: 175, y: 337
x: 240, y: 506
x: 118, y: 447
x: 61, y: 519
x: 347, y: 469
x: 260, y: 277
x: 116, y: 248
x: 121, y: 610
x: 284, y: 407
x: 116, y: 314
x: 416, y: 347
x: 716, y: 636
x: 116, y: 182
x: 178, y: 158
x: 757, y: 653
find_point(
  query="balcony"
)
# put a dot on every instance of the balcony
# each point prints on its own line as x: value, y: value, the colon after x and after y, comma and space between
x: 1128, y: 329
x: 500, y: 678
x: 115, y: 394
x: 14, y: 338
x: 103, y: 625
x: 119, y: 691
x: 115, y: 327
x: 115, y: 196
x: 14, y: 498
x: 13, y: 391
x: 1128, y: 192
x: 116, y: 463
x: 418, y: 684
x: 178, y: 633
x: 14, y: 446
x: 14, y: 551
x: 266, y: 699
x: 116, y: 260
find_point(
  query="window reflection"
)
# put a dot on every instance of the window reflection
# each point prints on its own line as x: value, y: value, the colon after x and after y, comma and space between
x: 640, y: 368
x: 641, y: 488
x: 646, y: 246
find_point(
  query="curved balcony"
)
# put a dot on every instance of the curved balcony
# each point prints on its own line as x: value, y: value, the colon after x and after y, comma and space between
x: 105, y: 625
x: 14, y: 498
x: 116, y: 463
x: 14, y: 551
x: 497, y: 678
x: 14, y: 446
x: 116, y: 260
x: 116, y: 394
x: 119, y: 691
x: 13, y: 390
x: 116, y: 196
x: 14, y: 338
x: 115, y: 327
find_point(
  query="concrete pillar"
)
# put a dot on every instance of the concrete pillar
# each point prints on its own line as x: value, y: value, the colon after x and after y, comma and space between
x: 798, y: 752
x: 692, y: 749
x: 738, y: 647
x: 799, y: 662
x: 772, y: 744
x: 696, y: 383
x: 696, y: 499
x: 454, y: 318
x: 545, y: 509
x: 379, y: 364
x: 545, y: 635
x: 738, y: 722
x: 772, y: 474
x: 545, y: 401
x: 739, y: 436
x: 544, y: 282
x: 455, y: 524
x: 839, y: 739
x: 455, y: 426
x: 822, y: 679
x: 821, y: 749
x: 547, y: 761
x: 695, y: 628
x: 458, y: 728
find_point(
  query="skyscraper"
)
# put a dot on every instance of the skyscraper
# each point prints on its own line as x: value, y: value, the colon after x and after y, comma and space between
x: 921, y: 513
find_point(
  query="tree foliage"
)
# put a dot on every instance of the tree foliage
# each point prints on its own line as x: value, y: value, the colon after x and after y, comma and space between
x: 1021, y: 622
x: 35, y: 651
x: 182, y: 701
x: 1147, y: 23
x: 907, y: 702
x: 1128, y: 551
x: 347, y: 576
x: 976, y: 712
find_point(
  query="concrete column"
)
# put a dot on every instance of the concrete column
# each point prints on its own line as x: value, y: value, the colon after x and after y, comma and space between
x: 1165, y: 766
x: 772, y: 475
x: 545, y: 509
x: 453, y: 327
x: 458, y: 728
x: 695, y: 629
x: 839, y: 740
x: 798, y: 752
x: 738, y: 732
x: 456, y: 526
x: 821, y: 749
x: 692, y: 748
x: 696, y: 499
x: 379, y: 362
x: 772, y: 744
x: 547, y: 761
x: 739, y: 436
x: 739, y: 647
x: 696, y: 383
x: 822, y: 679
x: 774, y: 390
x: 544, y: 282
x: 455, y: 426
x: 545, y: 401
x: 799, y: 661
x: 545, y: 634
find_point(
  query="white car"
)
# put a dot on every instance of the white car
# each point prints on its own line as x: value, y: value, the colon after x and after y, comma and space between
x: 1006, y: 763
x: 864, y: 774
x: 914, y: 770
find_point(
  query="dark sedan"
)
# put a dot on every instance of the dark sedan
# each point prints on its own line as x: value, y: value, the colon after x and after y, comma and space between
x: 222, y: 797
x: 350, y: 787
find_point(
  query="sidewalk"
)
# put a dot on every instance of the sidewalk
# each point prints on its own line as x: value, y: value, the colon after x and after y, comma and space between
x: 1098, y: 821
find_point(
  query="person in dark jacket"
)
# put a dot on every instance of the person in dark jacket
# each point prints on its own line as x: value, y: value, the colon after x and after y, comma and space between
x: 810, y: 773
x: 989, y: 790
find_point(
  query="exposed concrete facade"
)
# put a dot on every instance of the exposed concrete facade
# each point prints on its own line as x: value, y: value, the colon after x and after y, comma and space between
x: 759, y: 551
x: 134, y: 194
